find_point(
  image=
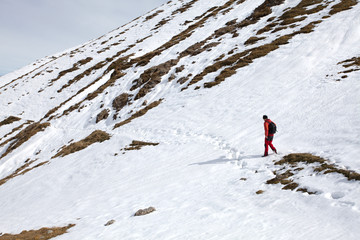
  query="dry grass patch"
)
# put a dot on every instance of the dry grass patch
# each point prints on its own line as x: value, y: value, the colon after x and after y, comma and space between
x: 353, y: 64
x: 326, y: 168
x: 22, y: 170
x: 137, y: 145
x: 292, y: 15
x: 184, y: 8
x: 219, y: 58
x: 291, y: 186
x: 24, y: 136
x: 53, y: 59
x: 342, y: 6
x: 355, y: 61
x: 295, y: 158
x: 282, y: 178
x: 318, y: 164
x: 9, y: 120
x: 153, y: 15
x: 260, y: 192
x: 94, y: 137
x: 246, y: 57
x: 285, y: 175
x: 151, y: 77
x: 117, y: 73
x: 104, y: 114
x: 143, y: 212
x: 41, y: 234
x: 261, y: 11
x: 139, y: 113
x: 114, y: 76
x: 78, y: 77
x: 161, y: 23
x: 15, y: 130
x: 253, y: 40
x: 297, y: 13
x: 305, y: 190
x: 72, y: 69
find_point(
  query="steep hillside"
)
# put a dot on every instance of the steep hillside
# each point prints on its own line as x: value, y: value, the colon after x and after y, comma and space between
x: 166, y: 112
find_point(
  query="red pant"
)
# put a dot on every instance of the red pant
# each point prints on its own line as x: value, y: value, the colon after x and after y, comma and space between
x: 268, y: 142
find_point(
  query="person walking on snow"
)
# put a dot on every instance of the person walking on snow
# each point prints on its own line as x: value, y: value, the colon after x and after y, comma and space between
x: 270, y: 129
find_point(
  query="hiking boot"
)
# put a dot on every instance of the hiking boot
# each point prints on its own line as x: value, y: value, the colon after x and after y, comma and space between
x: 265, y: 155
x: 275, y: 151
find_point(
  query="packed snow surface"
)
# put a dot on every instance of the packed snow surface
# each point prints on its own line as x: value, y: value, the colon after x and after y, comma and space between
x: 204, y: 175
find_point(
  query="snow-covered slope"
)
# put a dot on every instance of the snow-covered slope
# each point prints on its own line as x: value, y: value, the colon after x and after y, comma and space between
x: 192, y: 79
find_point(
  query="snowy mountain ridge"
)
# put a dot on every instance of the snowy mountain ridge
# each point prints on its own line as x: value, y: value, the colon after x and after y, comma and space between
x: 166, y: 112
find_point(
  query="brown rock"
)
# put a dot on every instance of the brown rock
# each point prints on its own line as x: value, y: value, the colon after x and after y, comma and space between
x: 120, y: 101
x: 104, y: 114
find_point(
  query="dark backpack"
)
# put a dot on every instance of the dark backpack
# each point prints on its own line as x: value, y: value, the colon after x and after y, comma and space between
x: 272, y: 128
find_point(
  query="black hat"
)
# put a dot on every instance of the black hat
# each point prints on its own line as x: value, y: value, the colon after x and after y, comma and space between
x: 265, y: 117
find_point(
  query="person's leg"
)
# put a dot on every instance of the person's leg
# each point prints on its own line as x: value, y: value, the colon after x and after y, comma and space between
x: 266, y: 147
x: 272, y: 147
x: 270, y: 139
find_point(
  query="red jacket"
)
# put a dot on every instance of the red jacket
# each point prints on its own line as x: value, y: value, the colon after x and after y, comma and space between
x: 266, y: 127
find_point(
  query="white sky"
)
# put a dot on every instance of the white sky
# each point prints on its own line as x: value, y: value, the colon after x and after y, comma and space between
x: 32, y: 29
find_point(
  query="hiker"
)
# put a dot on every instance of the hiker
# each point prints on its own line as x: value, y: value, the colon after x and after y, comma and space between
x: 270, y: 129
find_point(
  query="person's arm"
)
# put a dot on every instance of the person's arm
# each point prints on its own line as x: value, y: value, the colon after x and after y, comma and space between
x: 266, y: 127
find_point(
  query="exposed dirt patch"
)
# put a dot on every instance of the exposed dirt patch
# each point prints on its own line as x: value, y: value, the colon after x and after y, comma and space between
x: 43, y: 233
x: 139, y: 113
x: 9, y: 120
x: 24, y: 136
x: 94, y: 137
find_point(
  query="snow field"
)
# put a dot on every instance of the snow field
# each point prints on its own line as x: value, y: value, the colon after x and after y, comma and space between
x: 210, y: 141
